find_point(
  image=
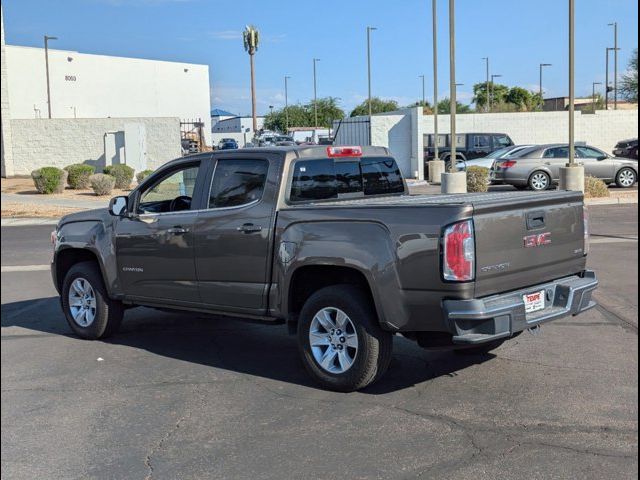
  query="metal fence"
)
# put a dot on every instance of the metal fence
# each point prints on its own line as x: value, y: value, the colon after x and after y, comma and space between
x: 352, y: 131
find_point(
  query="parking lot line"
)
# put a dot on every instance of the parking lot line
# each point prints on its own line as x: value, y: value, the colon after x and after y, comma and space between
x: 25, y: 268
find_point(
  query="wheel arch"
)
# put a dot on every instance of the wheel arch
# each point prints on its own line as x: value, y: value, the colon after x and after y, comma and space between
x: 66, y: 258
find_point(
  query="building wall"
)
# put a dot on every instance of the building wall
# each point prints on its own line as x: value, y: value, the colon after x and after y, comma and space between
x: 402, y: 132
x: 237, y: 125
x: 99, y: 86
x: 61, y: 142
x: 6, y: 150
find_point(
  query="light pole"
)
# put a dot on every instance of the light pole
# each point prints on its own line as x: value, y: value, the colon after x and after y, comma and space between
x: 486, y: 107
x: 615, y: 64
x: 593, y: 94
x: 436, y: 156
x: 369, y: 30
x: 494, y: 76
x: 424, y: 98
x: 315, y: 92
x: 286, y: 103
x: 46, y: 62
x: 541, y: 92
x: 452, y: 84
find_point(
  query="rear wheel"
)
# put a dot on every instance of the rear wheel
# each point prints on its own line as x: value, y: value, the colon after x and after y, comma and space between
x: 90, y: 312
x: 626, y: 178
x: 341, y: 344
x: 539, y: 181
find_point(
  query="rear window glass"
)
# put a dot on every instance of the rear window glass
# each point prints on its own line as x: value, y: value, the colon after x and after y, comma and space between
x: 327, y: 179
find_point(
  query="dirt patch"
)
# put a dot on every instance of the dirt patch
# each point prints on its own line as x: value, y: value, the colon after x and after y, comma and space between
x: 34, y: 211
x: 24, y: 186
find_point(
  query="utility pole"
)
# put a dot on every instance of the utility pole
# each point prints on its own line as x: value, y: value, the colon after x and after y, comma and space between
x: 369, y: 30
x: 593, y: 94
x: 46, y: 62
x: 615, y: 64
x: 424, y: 98
x: 572, y: 93
x: 486, y: 107
x: 315, y: 92
x: 286, y: 103
x: 541, y: 92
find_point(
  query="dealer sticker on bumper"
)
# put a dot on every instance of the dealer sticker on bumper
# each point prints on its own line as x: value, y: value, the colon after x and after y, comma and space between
x: 533, y: 301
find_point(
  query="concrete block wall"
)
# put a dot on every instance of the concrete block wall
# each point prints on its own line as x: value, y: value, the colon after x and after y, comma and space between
x: 60, y: 142
x: 394, y: 130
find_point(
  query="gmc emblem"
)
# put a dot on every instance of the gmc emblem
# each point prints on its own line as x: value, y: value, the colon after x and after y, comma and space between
x: 537, y: 240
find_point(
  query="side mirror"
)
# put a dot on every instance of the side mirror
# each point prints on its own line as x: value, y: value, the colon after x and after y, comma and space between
x: 118, y: 206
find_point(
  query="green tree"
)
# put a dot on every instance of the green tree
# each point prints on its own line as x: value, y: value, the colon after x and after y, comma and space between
x: 444, y: 107
x: 378, y: 105
x: 629, y: 81
x: 497, y: 92
x: 302, y: 115
x: 520, y: 97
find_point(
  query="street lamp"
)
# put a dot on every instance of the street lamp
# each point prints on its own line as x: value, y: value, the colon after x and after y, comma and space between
x: 315, y: 92
x: 369, y: 30
x: 486, y: 59
x: 452, y: 82
x: 46, y: 62
x: 286, y: 103
x: 542, y: 65
x: 434, y: 30
x: 572, y: 93
x: 494, y: 76
x: 593, y: 94
x: 424, y: 98
x: 615, y: 64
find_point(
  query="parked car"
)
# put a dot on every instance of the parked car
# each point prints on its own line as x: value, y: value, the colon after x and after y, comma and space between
x: 284, y: 141
x: 538, y: 168
x: 627, y: 148
x: 230, y: 144
x: 487, y: 162
x: 328, y: 241
x: 468, y: 145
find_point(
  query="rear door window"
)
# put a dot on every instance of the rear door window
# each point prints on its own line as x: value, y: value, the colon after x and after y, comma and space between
x: 237, y: 182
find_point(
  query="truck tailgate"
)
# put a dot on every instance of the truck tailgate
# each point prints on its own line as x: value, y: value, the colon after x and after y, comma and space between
x: 527, y: 239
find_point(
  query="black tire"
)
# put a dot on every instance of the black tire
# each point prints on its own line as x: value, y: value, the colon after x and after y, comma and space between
x: 374, y: 344
x: 535, y: 185
x: 108, y: 312
x: 483, y: 349
x: 624, y: 177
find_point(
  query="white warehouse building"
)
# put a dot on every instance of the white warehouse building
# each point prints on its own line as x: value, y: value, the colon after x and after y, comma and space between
x: 98, y: 86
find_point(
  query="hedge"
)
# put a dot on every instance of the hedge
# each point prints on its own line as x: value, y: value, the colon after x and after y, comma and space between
x: 102, y: 184
x: 477, y: 179
x: 122, y: 173
x: 49, y: 180
x: 79, y: 174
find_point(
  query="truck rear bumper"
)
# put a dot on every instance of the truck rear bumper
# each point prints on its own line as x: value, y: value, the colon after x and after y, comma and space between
x: 500, y: 316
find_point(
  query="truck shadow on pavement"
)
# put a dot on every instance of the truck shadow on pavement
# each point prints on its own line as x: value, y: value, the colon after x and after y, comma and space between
x: 254, y: 349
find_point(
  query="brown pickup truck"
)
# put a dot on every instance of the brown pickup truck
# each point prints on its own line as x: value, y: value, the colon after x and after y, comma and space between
x: 328, y: 241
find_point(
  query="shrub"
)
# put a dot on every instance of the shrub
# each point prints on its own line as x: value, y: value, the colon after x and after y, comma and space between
x: 477, y: 179
x: 122, y: 173
x: 49, y: 180
x: 79, y: 174
x: 140, y: 176
x: 102, y: 184
x: 595, y: 188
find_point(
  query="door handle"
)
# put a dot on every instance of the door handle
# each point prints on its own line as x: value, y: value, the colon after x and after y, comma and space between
x: 249, y: 228
x: 177, y: 231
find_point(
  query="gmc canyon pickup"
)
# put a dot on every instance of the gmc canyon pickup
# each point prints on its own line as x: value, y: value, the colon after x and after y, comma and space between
x: 328, y: 241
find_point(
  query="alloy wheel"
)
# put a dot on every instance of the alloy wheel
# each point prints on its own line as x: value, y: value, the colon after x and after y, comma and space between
x: 82, y: 302
x: 333, y: 340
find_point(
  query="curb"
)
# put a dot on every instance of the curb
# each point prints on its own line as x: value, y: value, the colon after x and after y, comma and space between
x: 27, y: 221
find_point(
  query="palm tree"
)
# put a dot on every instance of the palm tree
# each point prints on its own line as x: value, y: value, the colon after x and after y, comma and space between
x: 251, y: 38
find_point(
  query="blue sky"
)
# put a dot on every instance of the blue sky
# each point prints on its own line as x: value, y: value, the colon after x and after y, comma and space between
x: 516, y: 35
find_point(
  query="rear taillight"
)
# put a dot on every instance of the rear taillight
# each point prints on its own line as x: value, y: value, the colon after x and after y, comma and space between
x: 458, y: 261
x: 344, y: 152
x: 585, y: 216
x: 508, y: 164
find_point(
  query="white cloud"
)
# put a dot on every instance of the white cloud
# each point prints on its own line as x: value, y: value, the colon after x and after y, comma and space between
x: 226, y: 35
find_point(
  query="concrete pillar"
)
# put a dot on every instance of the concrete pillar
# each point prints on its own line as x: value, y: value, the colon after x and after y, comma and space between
x: 572, y: 178
x: 455, y: 182
x: 436, y: 169
x: 5, y: 116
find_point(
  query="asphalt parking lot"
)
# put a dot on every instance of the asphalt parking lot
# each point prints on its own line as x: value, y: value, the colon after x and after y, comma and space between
x: 187, y: 396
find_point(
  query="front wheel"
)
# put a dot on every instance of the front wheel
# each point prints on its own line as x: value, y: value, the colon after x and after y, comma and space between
x: 90, y: 312
x: 341, y: 344
x: 539, y: 181
x: 626, y: 178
